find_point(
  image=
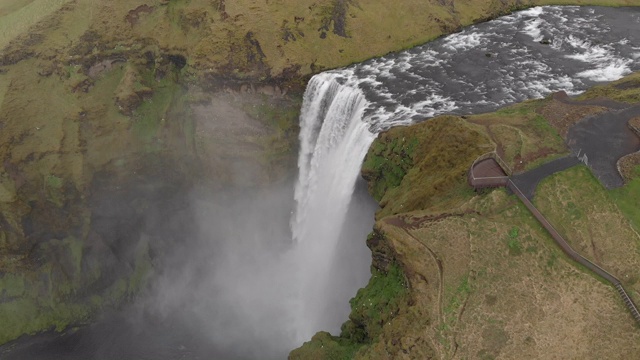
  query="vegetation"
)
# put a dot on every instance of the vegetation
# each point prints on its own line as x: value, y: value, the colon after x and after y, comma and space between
x: 625, y: 90
x: 626, y: 198
x: 409, y: 167
x: 375, y: 305
x: 388, y: 161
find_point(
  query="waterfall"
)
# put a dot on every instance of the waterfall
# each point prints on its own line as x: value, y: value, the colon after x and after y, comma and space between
x: 333, y: 143
x: 480, y: 69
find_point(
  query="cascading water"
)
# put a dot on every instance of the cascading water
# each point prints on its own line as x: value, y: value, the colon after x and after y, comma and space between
x: 333, y: 143
x: 487, y: 66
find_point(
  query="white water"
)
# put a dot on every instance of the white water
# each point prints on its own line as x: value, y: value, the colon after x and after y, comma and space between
x: 479, y: 69
x: 333, y: 143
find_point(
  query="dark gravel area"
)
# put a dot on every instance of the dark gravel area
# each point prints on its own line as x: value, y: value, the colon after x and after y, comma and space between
x: 601, y: 140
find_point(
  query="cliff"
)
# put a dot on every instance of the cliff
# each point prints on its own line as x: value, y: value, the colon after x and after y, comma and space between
x: 464, y: 274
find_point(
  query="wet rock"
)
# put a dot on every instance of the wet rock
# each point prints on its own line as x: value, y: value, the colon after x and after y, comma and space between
x: 382, y: 255
x: 178, y: 60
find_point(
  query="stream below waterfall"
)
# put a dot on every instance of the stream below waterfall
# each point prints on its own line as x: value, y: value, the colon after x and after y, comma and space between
x: 251, y: 291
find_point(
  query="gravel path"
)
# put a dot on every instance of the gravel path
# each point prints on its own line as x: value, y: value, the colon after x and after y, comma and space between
x: 601, y: 140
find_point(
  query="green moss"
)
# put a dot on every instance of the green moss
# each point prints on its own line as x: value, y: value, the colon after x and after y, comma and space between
x: 325, y: 346
x: 54, y: 189
x: 150, y: 116
x: 48, y: 298
x: 141, y: 271
x: 53, y: 181
x: 75, y: 249
x: 30, y: 316
x: 284, y: 119
x: 372, y: 307
x: 625, y: 90
x: 375, y: 304
x: 387, y: 162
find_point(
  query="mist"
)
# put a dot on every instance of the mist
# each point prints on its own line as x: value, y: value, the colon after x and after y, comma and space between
x: 240, y: 279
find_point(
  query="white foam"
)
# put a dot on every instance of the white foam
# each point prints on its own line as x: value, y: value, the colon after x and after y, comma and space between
x: 463, y: 41
x: 534, y: 11
x: 610, y: 72
x: 533, y: 29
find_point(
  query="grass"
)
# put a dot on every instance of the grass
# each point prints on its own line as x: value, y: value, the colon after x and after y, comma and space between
x: 627, y: 198
x: 17, y: 16
x: 459, y: 296
x: 375, y: 304
x: 408, y: 167
x: 523, y: 137
x: 624, y: 90
x: 372, y: 307
x: 597, y: 223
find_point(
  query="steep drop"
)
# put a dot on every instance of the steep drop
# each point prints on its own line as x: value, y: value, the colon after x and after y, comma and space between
x: 526, y: 55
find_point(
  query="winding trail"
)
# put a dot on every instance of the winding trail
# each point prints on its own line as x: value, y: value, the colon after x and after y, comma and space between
x: 479, y: 176
x: 528, y: 181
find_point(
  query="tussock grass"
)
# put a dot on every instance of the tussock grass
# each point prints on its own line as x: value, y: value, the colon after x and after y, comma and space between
x: 625, y: 90
x: 422, y: 162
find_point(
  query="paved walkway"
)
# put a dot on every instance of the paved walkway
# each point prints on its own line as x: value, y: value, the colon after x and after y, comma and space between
x: 601, y: 140
x: 533, y: 177
x: 528, y: 181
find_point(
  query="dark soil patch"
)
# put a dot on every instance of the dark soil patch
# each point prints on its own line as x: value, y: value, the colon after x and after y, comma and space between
x: 134, y: 15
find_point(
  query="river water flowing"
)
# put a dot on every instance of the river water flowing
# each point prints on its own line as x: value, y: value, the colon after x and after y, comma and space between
x: 517, y: 57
